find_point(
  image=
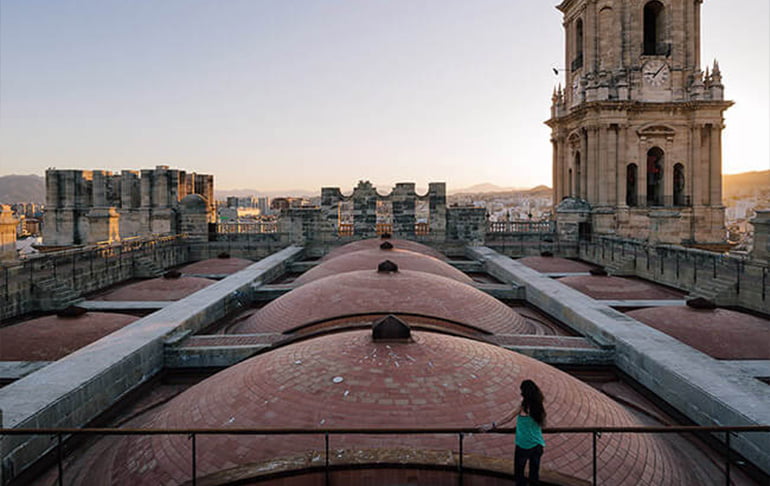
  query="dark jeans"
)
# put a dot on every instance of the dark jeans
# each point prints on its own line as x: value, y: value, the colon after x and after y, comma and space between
x: 520, y: 459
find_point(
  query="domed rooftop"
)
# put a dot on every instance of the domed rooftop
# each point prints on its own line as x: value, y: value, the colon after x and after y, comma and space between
x: 369, y: 259
x: 554, y: 264
x: 50, y: 338
x: 216, y: 266
x: 194, y: 202
x: 720, y: 333
x: 372, y: 292
x: 374, y: 243
x: 157, y: 289
x: 347, y: 380
x: 620, y: 288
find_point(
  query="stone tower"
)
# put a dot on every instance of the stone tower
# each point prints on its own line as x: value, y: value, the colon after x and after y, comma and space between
x: 637, y: 129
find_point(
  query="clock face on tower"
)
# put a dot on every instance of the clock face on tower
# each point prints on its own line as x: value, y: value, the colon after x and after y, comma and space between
x: 655, y: 73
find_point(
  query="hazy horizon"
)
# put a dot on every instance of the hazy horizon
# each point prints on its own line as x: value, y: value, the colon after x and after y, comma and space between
x: 274, y: 96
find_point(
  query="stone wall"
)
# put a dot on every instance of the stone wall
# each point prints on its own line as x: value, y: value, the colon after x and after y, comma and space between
x: 87, y: 207
x: 53, y: 280
x: 726, y: 279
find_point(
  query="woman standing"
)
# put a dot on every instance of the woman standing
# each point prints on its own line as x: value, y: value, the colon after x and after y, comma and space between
x: 529, y: 433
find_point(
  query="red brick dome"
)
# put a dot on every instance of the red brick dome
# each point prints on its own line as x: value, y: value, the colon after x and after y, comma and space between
x: 369, y: 259
x: 347, y: 380
x: 372, y: 292
x: 216, y: 266
x: 50, y: 338
x: 157, y: 289
x: 620, y: 288
x: 374, y: 243
x: 720, y: 333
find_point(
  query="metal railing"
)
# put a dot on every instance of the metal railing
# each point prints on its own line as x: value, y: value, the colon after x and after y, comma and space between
x: 256, y: 227
x: 59, y: 435
x: 521, y: 227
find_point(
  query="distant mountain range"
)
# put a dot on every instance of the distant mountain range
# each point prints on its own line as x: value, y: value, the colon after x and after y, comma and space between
x: 487, y: 188
x: 222, y: 194
x: 22, y: 188
x: 745, y: 182
x: 31, y: 188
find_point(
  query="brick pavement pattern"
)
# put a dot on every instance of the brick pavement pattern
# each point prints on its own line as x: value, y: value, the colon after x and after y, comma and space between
x: 374, y: 243
x: 367, y: 291
x: 369, y: 259
x: 50, y: 338
x: 720, y: 333
x: 347, y: 380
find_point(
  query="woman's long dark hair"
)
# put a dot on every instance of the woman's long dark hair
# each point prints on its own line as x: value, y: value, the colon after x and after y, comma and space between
x: 532, y: 402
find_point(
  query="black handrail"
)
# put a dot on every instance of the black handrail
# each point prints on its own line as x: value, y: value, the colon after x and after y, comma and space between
x: 596, y: 433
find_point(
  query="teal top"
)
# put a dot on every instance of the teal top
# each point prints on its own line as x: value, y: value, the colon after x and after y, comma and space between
x: 528, y: 433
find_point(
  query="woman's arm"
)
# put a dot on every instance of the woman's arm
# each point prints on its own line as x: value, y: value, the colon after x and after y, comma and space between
x: 507, y: 418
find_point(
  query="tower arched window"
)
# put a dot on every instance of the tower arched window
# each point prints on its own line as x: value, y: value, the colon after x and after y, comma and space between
x: 578, y: 175
x: 577, y: 63
x: 632, y: 193
x: 655, y: 177
x: 679, y: 198
x: 654, y: 26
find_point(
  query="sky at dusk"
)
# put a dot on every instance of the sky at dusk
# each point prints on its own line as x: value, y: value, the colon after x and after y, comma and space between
x: 299, y: 94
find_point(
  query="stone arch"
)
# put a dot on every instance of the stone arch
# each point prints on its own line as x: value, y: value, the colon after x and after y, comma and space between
x: 632, y: 185
x: 655, y: 165
x: 579, y: 43
x: 654, y: 29
x: 679, y: 185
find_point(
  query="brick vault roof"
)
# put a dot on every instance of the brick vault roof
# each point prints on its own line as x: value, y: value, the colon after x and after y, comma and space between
x: 214, y: 266
x: 346, y: 380
x: 720, y: 333
x: 403, y: 292
x: 375, y: 243
x: 49, y: 338
x: 369, y: 259
x: 554, y: 264
x: 620, y: 288
x: 157, y: 289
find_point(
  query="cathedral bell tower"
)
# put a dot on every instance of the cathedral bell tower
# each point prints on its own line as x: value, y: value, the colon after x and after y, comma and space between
x: 637, y: 129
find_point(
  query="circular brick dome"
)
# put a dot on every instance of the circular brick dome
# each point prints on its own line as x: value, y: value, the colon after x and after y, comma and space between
x: 374, y: 243
x: 372, y: 292
x: 554, y: 264
x: 194, y: 202
x: 216, y: 266
x: 620, y: 288
x: 347, y: 380
x: 369, y: 259
x: 50, y: 338
x: 157, y: 289
x: 720, y: 333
